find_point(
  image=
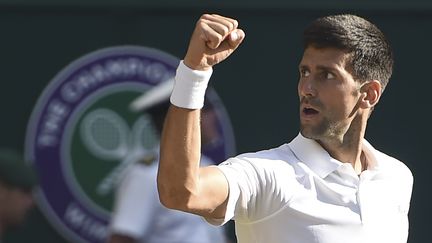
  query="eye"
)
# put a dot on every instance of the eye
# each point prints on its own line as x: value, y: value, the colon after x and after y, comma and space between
x: 304, y: 73
x: 329, y: 75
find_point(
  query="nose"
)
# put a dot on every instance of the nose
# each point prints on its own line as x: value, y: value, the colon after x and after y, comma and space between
x: 306, y: 88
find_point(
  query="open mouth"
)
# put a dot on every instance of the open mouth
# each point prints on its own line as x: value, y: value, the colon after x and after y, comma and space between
x: 309, y: 111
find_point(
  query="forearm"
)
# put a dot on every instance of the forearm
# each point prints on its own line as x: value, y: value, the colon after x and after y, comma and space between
x: 178, y: 172
x: 182, y: 184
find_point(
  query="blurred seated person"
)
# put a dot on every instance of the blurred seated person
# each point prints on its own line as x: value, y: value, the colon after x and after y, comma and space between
x: 138, y: 215
x: 17, y: 180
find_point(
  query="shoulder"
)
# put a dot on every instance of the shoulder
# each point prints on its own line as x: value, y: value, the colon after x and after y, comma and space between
x: 394, y: 167
x: 281, y: 153
x: 274, y: 160
x: 261, y: 182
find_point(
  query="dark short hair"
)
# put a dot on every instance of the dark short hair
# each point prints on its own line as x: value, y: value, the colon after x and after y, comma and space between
x: 372, y: 57
x: 157, y: 113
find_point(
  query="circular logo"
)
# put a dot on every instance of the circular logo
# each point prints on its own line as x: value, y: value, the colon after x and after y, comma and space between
x: 82, y: 135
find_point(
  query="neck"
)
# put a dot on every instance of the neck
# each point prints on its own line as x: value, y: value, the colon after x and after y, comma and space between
x: 347, y: 148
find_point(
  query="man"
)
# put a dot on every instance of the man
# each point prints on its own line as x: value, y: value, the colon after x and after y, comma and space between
x: 17, y: 180
x: 138, y: 215
x: 328, y: 184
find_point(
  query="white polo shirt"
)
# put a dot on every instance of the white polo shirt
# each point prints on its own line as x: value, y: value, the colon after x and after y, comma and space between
x: 297, y: 193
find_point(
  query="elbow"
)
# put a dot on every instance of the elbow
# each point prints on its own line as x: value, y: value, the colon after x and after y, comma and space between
x: 176, y: 188
x: 172, y: 197
x: 165, y: 199
x: 169, y: 203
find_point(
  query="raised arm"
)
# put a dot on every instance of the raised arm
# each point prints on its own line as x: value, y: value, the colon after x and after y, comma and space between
x: 182, y: 184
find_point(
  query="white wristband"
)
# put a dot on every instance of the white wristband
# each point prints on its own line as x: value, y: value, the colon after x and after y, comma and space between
x: 190, y: 87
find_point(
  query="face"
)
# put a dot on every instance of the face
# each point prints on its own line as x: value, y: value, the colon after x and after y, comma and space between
x: 329, y: 95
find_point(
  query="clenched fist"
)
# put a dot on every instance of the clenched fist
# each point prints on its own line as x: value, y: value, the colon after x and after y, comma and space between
x: 215, y: 37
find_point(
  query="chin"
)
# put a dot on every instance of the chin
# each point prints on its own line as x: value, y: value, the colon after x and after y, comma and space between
x: 312, y: 132
x: 307, y: 133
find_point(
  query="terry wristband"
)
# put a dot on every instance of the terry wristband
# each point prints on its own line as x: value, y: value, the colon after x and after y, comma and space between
x: 190, y: 87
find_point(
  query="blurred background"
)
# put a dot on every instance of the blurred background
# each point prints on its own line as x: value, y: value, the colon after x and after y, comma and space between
x: 257, y: 84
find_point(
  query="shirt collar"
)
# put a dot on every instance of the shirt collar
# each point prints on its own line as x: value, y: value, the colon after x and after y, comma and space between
x: 309, y: 152
x: 312, y: 154
x: 371, y: 156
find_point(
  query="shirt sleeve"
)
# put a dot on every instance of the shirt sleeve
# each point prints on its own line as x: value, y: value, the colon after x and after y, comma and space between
x: 136, y: 202
x: 257, y: 188
x: 233, y: 194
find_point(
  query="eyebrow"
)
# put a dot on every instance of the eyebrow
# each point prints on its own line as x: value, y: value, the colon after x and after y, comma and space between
x: 320, y: 67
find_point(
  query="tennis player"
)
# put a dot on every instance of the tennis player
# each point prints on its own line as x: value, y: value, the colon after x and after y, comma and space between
x: 328, y: 184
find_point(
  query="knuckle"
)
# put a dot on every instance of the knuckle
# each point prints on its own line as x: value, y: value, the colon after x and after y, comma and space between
x: 216, y: 38
x: 201, y: 23
x: 219, y: 39
x: 205, y: 16
x: 225, y: 30
x: 202, y: 19
x: 235, y: 24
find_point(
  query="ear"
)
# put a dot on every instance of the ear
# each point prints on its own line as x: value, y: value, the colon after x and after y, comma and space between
x: 370, y: 93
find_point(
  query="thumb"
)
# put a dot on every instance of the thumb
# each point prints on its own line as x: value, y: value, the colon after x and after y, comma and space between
x: 235, y: 38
